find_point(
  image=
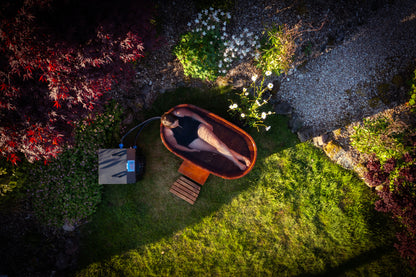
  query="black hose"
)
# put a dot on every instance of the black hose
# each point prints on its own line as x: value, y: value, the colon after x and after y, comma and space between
x: 143, y: 124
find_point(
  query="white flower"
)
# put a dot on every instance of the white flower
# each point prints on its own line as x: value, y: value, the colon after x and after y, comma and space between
x: 224, y: 71
x: 233, y: 106
x: 263, y: 115
x: 196, y: 21
x: 209, y: 28
x: 245, y: 30
x: 203, y: 33
x: 270, y: 85
x: 189, y: 24
x: 268, y: 73
x: 213, y: 27
x: 258, y: 103
x: 243, y: 115
x: 254, y: 78
x: 268, y: 128
x: 269, y: 112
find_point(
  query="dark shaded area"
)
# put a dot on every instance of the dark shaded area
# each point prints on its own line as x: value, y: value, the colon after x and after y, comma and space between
x: 76, y: 21
x: 362, y: 259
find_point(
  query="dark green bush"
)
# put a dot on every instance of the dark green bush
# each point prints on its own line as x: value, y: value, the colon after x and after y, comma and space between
x: 66, y: 191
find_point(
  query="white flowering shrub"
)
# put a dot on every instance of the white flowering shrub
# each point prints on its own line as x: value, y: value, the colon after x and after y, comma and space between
x: 207, y: 50
x: 250, y: 108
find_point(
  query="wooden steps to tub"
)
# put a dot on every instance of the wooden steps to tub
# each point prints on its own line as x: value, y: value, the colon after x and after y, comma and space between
x: 186, y: 189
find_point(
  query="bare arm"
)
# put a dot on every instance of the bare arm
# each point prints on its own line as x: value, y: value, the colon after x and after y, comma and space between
x: 185, y: 112
x: 172, y: 141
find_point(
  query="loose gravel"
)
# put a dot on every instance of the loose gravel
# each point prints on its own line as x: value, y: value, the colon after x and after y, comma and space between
x: 354, y: 79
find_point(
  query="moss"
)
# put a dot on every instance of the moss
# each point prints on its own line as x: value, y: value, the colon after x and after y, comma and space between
x: 333, y: 150
x: 337, y: 132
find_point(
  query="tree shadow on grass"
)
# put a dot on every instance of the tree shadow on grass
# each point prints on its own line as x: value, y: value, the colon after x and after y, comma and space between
x: 133, y: 215
x: 358, y: 261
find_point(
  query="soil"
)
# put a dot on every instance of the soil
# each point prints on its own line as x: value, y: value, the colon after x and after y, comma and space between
x: 30, y: 250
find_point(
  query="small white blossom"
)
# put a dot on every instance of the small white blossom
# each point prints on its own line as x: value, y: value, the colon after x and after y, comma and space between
x: 263, y: 115
x: 270, y: 85
x: 203, y: 33
x: 268, y: 128
x: 268, y: 73
x: 243, y: 115
x: 196, y: 21
x: 233, y: 106
x: 254, y: 78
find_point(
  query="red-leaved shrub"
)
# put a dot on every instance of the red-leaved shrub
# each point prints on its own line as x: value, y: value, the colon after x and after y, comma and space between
x: 398, y: 198
x: 54, y: 71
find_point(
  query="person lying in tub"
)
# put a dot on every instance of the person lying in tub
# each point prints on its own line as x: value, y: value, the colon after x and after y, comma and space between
x: 187, y: 131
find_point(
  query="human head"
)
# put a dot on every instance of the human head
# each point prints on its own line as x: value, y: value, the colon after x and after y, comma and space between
x: 168, y: 119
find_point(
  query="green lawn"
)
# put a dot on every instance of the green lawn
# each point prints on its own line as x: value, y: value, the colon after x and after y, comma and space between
x: 295, y: 213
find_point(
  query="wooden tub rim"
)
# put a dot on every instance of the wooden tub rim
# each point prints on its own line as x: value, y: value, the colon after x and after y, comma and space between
x: 251, y: 145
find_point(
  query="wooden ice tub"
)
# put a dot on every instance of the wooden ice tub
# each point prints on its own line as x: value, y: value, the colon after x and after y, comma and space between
x: 198, y: 165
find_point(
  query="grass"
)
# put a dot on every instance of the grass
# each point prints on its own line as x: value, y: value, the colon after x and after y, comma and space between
x: 295, y: 213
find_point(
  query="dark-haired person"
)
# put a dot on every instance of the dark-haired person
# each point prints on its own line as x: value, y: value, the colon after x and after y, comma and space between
x: 187, y: 131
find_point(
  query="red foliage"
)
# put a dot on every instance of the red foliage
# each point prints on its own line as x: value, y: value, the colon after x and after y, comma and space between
x: 398, y: 199
x: 47, y: 81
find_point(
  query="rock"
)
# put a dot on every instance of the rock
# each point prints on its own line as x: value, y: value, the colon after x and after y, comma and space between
x: 223, y: 81
x: 283, y: 108
x: 321, y: 140
x: 238, y: 84
x: 295, y: 124
x: 334, y: 151
x: 128, y: 120
x: 305, y: 134
x: 68, y: 227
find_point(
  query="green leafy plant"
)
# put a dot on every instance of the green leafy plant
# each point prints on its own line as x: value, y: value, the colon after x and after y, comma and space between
x: 66, y: 191
x: 207, y: 50
x: 277, y: 49
x: 251, y: 103
x: 377, y: 137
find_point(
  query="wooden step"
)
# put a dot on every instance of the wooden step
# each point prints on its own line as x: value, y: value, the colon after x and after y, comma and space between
x: 186, y: 189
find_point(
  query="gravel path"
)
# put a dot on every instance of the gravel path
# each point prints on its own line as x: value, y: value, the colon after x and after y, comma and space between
x: 344, y: 85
